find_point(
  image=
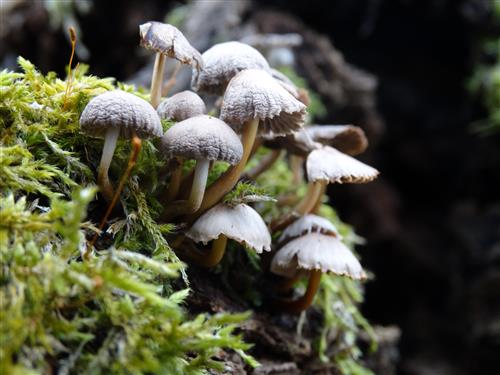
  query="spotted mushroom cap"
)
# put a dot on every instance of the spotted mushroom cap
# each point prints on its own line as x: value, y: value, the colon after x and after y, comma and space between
x: 168, y: 40
x: 240, y: 223
x: 119, y: 109
x: 253, y: 94
x: 181, y: 106
x: 222, y: 62
x: 316, y: 251
x: 202, y: 137
x: 329, y: 164
x: 308, y: 224
x: 348, y: 139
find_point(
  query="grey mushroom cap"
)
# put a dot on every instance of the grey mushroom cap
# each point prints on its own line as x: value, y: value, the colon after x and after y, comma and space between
x: 240, y: 223
x: 119, y: 109
x: 181, y: 106
x: 298, y: 143
x: 222, y: 62
x: 253, y: 94
x: 168, y: 40
x: 348, y: 139
x: 202, y: 137
x: 316, y: 251
x: 333, y: 166
x: 309, y: 224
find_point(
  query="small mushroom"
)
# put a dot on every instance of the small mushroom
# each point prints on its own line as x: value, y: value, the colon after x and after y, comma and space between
x: 308, y: 224
x: 348, y: 139
x: 240, y: 223
x: 167, y: 41
x: 117, y: 114
x: 203, y: 138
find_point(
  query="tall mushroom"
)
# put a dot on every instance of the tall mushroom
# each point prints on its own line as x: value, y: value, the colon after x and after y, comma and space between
x: 240, y: 223
x: 117, y: 114
x: 167, y: 41
x: 203, y: 138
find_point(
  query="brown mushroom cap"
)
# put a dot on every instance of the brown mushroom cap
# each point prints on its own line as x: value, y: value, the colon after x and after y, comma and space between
x: 119, y: 109
x: 316, y: 251
x: 333, y: 166
x: 253, y: 94
x: 308, y: 224
x: 240, y: 223
x: 181, y: 106
x: 298, y: 143
x: 222, y: 62
x: 202, y: 137
x: 348, y: 139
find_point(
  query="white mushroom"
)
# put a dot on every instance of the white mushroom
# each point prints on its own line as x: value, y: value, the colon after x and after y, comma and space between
x: 308, y: 224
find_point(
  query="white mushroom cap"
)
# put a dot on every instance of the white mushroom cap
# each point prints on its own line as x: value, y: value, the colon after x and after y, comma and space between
x: 181, y: 106
x: 222, y: 62
x: 240, y: 223
x: 253, y: 94
x: 202, y: 137
x: 168, y: 40
x: 348, y: 139
x: 119, y: 109
x: 316, y: 251
x: 333, y: 166
x: 309, y: 224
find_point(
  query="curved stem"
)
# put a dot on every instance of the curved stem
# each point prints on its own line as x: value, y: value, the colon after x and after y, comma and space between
x: 317, y: 205
x: 157, y: 79
x: 296, y: 167
x: 302, y: 303
x: 266, y: 163
x: 214, y: 255
x: 108, y: 151
x: 174, y: 184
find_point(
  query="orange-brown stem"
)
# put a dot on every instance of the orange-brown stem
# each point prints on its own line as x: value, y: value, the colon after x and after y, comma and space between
x: 318, y: 203
x: 72, y: 37
x: 213, y: 256
x: 286, y: 283
x: 296, y: 167
x: 174, y: 184
x: 302, y: 303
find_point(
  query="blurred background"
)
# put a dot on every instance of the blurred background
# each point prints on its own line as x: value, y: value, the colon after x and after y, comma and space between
x: 422, y: 78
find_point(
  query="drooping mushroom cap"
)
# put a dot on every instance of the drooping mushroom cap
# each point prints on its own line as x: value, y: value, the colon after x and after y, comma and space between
x: 316, y: 251
x: 308, y: 224
x: 222, y: 62
x: 348, y: 139
x: 298, y: 143
x: 240, y: 223
x: 202, y: 137
x: 253, y: 94
x: 181, y: 106
x: 333, y: 166
x: 119, y: 109
x: 168, y: 40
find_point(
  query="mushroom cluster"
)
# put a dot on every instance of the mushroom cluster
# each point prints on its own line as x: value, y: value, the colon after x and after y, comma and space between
x: 259, y: 107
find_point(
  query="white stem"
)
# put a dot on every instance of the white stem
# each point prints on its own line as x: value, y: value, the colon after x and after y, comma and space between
x: 108, y: 150
x: 157, y: 79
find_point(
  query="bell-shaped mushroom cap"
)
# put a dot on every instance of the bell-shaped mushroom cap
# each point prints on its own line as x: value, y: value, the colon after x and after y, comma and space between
x: 240, y: 223
x: 328, y: 164
x: 222, y: 62
x: 316, y: 251
x: 298, y: 143
x: 348, y: 139
x: 202, y: 137
x: 168, y: 40
x: 308, y: 224
x: 181, y: 106
x: 253, y: 94
x: 119, y: 109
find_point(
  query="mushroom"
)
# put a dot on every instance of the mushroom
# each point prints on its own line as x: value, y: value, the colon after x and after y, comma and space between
x: 222, y: 62
x: 308, y: 224
x: 240, y: 223
x: 348, y: 139
x: 203, y: 138
x: 167, y: 41
x: 117, y: 114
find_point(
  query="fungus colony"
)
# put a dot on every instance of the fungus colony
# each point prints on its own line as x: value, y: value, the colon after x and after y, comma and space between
x: 260, y: 106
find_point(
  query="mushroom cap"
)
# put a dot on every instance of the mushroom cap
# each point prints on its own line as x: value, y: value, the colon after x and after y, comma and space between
x: 119, y: 109
x: 202, y: 137
x: 222, y: 62
x: 168, y: 40
x: 331, y: 165
x: 240, y: 223
x: 348, y: 139
x: 316, y: 251
x: 253, y: 94
x: 298, y: 143
x: 309, y: 224
x: 181, y: 106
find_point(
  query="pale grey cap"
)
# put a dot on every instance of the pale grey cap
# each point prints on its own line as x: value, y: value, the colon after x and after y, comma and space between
x: 309, y: 224
x: 181, y: 106
x: 253, y: 94
x: 119, y: 109
x: 202, y: 137
x: 329, y: 164
x: 298, y: 143
x: 316, y: 251
x: 284, y: 81
x: 348, y: 139
x: 240, y: 223
x: 168, y: 40
x: 222, y: 62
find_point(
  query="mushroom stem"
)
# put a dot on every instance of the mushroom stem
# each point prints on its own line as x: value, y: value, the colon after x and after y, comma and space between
x: 296, y: 167
x: 192, y: 204
x: 287, y: 283
x: 108, y: 150
x: 317, y: 205
x: 174, y: 184
x: 214, y: 255
x: 157, y: 79
x: 302, y: 303
x: 266, y: 163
